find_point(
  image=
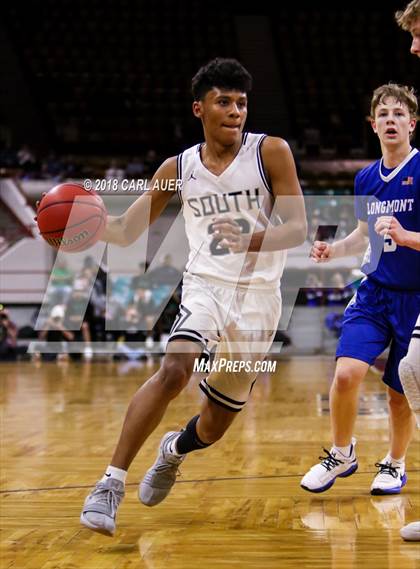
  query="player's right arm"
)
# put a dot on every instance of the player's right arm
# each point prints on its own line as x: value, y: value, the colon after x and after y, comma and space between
x: 124, y: 229
x: 353, y: 244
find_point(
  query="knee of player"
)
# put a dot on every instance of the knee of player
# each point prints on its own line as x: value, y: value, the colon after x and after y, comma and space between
x: 174, y: 375
x: 396, y: 400
x: 345, y: 380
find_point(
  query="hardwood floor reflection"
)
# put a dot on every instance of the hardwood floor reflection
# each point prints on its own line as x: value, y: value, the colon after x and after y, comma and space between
x: 236, y: 504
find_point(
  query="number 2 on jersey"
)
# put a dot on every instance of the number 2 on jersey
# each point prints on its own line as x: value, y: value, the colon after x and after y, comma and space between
x: 215, y: 247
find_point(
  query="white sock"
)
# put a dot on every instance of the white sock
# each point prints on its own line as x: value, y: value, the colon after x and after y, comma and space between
x: 114, y: 472
x: 394, y: 461
x: 345, y: 451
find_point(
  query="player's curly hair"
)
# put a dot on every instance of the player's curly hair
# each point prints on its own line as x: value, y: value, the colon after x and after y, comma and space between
x: 406, y: 18
x: 402, y: 93
x: 223, y: 73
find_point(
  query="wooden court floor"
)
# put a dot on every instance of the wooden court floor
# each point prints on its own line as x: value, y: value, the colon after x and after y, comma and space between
x: 237, y: 504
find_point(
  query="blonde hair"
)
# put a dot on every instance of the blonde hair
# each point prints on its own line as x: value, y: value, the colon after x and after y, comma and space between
x: 401, y: 93
x: 406, y: 18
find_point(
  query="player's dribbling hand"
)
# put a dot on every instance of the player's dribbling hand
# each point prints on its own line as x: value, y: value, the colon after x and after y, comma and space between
x: 386, y: 225
x: 38, y: 202
x: 230, y: 234
x: 321, y: 252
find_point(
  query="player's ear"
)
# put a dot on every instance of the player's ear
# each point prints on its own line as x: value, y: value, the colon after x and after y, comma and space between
x: 373, y: 125
x: 197, y: 109
x: 413, y: 123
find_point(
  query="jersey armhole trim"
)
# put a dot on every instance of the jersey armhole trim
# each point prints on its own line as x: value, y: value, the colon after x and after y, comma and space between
x: 179, y: 176
x: 260, y: 164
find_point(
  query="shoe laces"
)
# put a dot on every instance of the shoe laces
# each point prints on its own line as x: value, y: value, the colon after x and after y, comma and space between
x: 108, y: 496
x: 169, y: 466
x: 169, y: 457
x: 387, y: 468
x: 330, y: 461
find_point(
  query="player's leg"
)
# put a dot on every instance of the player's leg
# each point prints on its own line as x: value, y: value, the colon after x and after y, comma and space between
x: 200, y: 432
x: 149, y: 403
x: 227, y: 388
x: 144, y: 413
x: 409, y: 371
x: 340, y: 461
x: 227, y: 392
x: 216, y: 415
x: 213, y: 422
x: 402, y: 423
x: 391, y: 476
x: 344, y: 399
x: 364, y: 336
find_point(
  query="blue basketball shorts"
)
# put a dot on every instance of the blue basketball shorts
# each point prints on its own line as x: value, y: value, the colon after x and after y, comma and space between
x: 375, y: 318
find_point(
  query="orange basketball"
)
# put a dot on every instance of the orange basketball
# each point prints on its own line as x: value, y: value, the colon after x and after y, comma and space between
x: 71, y: 218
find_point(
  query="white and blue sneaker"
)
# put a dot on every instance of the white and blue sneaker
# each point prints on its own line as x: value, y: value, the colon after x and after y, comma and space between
x: 334, y: 465
x: 390, y: 478
x: 411, y: 532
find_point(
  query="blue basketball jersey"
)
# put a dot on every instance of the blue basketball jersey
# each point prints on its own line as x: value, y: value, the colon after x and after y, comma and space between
x: 393, y: 192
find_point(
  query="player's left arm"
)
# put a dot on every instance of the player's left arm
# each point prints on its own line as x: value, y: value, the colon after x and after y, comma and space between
x: 387, y: 225
x: 280, y: 170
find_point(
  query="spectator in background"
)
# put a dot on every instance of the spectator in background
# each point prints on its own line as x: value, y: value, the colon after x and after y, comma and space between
x: 71, y: 167
x: 114, y: 172
x: 53, y: 167
x: 151, y: 162
x: 8, y: 336
x: 8, y: 156
x: 165, y: 274
x: 339, y: 293
x: 61, y: 281
x: 96, y: 279
x: 132, y: 335
x: 99, y: 272
x: 140, y: 279
x: 147, y: 309
x: 27, y: 162
x: 343, y: 228
x: 55, y: 331
x: 80, y: 314
x: 135, y: 168
x: 313, y: 291
x: 114, y: 314
x: 163, y: 280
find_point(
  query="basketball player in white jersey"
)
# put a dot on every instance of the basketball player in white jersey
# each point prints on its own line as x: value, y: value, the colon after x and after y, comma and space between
x: 231, y: 300
x: 409, y: 368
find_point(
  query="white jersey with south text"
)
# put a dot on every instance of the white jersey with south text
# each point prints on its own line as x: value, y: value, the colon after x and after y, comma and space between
x: 242, y: 192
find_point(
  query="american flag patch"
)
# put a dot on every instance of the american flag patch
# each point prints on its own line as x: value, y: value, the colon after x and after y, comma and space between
x: 408, y: 181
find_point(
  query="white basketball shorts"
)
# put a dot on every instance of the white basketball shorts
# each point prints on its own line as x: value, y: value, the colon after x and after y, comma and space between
x: 237, y: 324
